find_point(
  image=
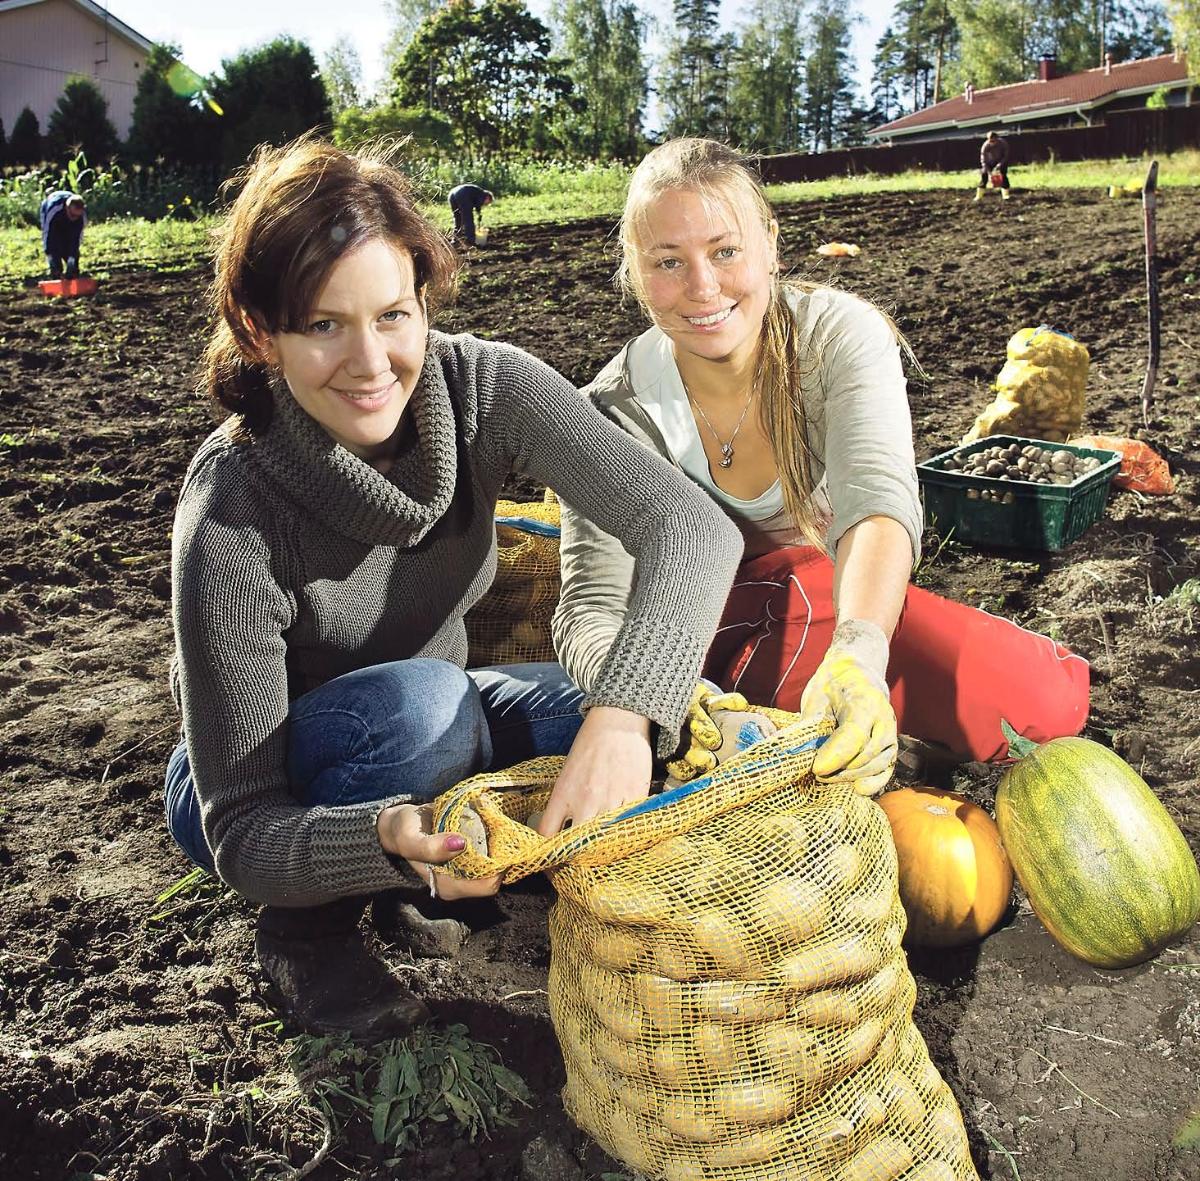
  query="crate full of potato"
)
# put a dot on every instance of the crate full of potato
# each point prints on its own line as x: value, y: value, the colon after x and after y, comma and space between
x: 726, y: 980
x: 1010, y: 492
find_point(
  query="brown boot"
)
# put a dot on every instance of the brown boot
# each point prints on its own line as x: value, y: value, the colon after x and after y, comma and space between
x: 328, y: 980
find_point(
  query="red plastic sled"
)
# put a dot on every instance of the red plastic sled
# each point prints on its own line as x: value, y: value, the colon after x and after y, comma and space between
x: 68, y: 287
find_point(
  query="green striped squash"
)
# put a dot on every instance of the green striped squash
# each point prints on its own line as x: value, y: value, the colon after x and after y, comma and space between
x: 1105, y: 867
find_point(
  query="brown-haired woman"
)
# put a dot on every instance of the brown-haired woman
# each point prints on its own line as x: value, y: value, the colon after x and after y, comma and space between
x: 786, y: 403
x: 330, y: 537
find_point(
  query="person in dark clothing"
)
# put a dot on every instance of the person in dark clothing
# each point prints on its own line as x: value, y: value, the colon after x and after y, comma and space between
x: 465, y: 202
x: 993, y: 157
x: 62, y: 217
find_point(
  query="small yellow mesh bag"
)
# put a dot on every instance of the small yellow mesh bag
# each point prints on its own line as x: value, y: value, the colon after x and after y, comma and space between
x: 1040, y: 390
x: 511, y: 623
x: 726, y: 977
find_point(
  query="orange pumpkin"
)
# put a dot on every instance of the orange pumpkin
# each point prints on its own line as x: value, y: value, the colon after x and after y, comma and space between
x: 955, y: 877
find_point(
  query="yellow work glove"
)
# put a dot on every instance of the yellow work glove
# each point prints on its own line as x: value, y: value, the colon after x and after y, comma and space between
x: 849, y: 686
x: 717, y: 725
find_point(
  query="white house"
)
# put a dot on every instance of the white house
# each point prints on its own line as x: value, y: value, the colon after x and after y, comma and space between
x: 43, y: 43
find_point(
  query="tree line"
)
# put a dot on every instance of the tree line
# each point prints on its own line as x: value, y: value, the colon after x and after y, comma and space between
x: 481, y: 80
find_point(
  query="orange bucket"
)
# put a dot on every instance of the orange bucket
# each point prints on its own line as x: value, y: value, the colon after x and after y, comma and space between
x: 68, y: 287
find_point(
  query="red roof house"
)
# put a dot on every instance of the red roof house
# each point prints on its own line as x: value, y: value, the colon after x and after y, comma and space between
x: 1073, y: 100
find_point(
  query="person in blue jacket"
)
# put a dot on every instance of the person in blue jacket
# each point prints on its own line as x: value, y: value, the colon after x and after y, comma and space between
x: 62, y: 217
x: 465, y: 202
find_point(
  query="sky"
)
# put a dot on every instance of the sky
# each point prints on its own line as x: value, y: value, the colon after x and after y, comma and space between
x: 208, y: 31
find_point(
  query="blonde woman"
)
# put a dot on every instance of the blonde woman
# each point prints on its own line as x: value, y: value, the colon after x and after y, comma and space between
x: 786, y: 403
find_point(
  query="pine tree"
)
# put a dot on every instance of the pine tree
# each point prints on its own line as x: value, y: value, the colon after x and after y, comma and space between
x: 766, y: 78
x: 167, y: 122
x: 886, y: 76
x: 25, y: 145
x: 829, y: 91
x: 693, y: 86
x: 80, y: 121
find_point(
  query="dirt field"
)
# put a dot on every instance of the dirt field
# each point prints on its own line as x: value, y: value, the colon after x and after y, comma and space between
x: 131, y: 1047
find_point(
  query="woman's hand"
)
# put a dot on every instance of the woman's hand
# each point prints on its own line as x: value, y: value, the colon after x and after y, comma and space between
x: 849, y: 687
x: 406, y: 830
x: 609, y: 764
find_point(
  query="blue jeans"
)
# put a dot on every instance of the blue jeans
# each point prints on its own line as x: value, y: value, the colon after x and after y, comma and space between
x: 412, y: 727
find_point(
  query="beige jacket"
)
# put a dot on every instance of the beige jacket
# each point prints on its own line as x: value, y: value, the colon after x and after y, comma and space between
x: 860, y: 437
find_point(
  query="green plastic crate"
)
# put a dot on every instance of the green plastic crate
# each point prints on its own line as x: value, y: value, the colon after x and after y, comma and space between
x: 1042, y: 516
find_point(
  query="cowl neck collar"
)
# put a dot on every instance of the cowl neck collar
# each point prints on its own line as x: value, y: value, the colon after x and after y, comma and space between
x: 348, y: 495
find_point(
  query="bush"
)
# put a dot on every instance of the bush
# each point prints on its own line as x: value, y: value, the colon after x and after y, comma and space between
x: 80, y: 122
x: 427, y: 130
x: 25, y: 146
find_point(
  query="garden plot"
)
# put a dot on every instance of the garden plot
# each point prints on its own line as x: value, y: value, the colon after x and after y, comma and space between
x: 134, y: 1038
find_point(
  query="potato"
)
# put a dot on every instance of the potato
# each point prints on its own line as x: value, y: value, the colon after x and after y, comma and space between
x: 792, y: 1052
x: 638, y: 1099
x: 791, y: 910
x: 724, y: 937
x: 626, y: 1058
x: 685, y: 1170
x: 823, y: 964
x: 749, y: 1148
x: 845, y: 866
x: 866, y: 910
x: 735, y: 1001
x: 626, y: 1021
x: 856, y: 1049
x: 944, y: 1127
x: 722, y: 1048
x: 755, y: 1100
x: 676, y: 958
x: 905, y: 1106
x: 614, y: 901
x: 671, y: 1062
x: 690, y: 1118
x: 630, y: 1144
x: 883, y: 1160
x: 783, y: 838
x: 617, y: 949
x: 666, y: 1003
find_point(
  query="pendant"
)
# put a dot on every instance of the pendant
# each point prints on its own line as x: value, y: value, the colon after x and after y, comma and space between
x: 726, y: 459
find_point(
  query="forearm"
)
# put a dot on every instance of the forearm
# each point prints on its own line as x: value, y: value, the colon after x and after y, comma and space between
x: 871, y: 573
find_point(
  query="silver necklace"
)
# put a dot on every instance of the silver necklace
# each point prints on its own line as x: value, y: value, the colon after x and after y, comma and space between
x: 726, y: 459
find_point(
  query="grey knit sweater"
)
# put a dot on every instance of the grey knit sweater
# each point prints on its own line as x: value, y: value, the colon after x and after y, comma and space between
x: 295, y: 562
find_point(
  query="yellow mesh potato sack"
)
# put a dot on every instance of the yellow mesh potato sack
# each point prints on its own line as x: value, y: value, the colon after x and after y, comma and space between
x: 511, y: 623
x: 726, y: 978
x: 1040, y: 390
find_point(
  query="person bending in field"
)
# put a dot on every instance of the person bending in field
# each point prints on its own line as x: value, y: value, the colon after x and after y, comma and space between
x: 785, y: 402
x: 62, y: 217
x: 330, y: 536
x: 993, y: 157
x: 466, y: 203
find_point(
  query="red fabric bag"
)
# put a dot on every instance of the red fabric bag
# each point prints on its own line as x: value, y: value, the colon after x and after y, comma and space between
x: 1142, y: 468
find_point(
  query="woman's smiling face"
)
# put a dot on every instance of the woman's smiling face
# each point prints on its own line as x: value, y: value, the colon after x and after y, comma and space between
x: 705, y: 271
x: 356, y: 363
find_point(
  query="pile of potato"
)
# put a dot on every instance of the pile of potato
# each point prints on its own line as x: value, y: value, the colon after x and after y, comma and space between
x: 1026, y: 463
x: 733, y: 1004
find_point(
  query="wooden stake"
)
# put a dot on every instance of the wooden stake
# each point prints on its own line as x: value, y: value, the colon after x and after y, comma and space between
x: 1149, y: 202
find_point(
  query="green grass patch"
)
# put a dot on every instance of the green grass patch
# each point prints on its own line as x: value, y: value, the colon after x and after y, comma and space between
x: 118, y: 244
x: 541, y: 193
x: 1176, y: 170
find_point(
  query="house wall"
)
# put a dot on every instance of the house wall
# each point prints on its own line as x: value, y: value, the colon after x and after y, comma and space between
x: 46, y: 44
x: 1130, y: 133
